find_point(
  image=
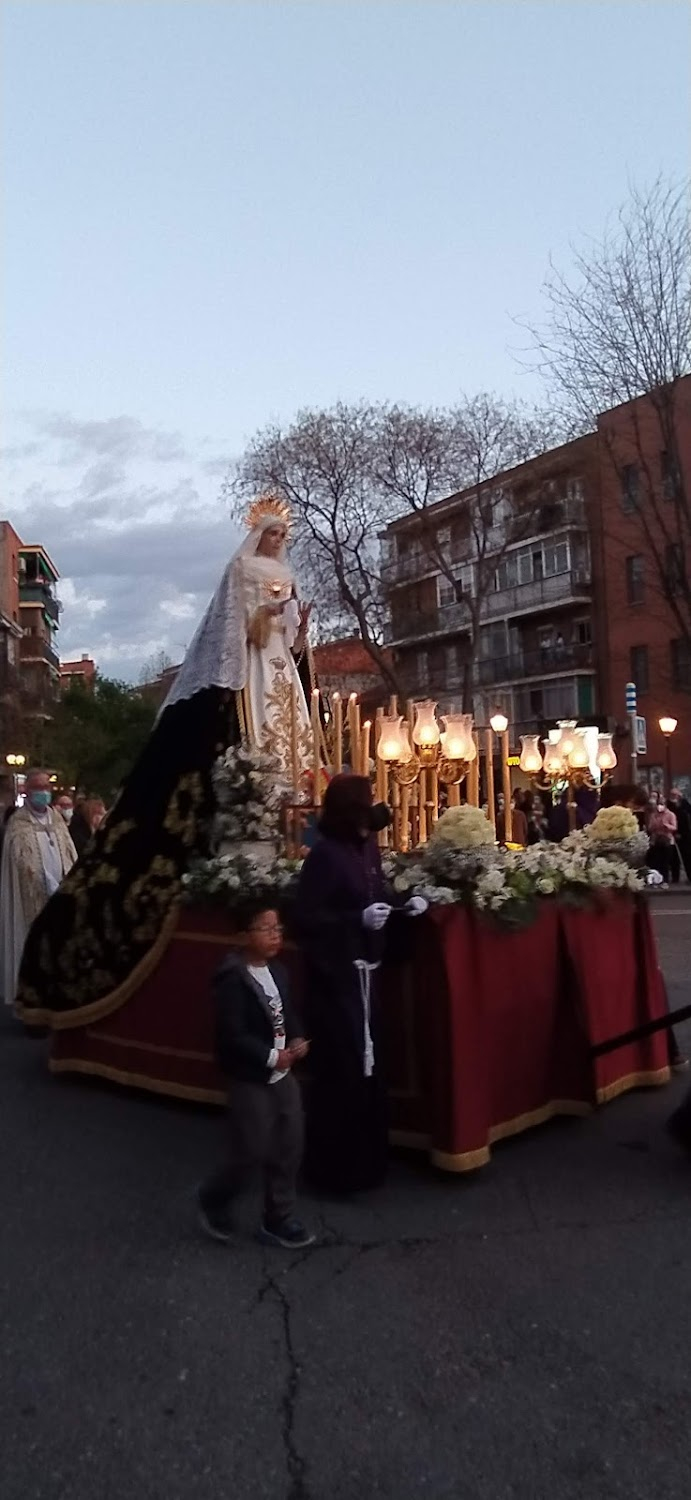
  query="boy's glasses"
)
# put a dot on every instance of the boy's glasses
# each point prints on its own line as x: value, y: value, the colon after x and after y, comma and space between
x: 275, y: 930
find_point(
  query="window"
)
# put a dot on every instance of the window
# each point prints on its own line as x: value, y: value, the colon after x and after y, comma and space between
x: 674, y: 567
x: 525, y: 567
x: 556, y: 558
x: 669, y: 474
x: 680, y: 651
x: 639, y: 668
x: 452, y: 661
x: 630, y: 485
x: 506, y: 576
x: 582, y: 632
x: 634, y: 579
x: 422, y: 668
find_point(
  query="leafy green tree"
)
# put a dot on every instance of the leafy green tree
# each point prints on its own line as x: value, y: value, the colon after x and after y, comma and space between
x: 96, y: 734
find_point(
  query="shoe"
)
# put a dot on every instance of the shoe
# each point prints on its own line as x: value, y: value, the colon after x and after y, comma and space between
x: 680, y: 1065
x: 216, y: 1226
x: 289, y: 1233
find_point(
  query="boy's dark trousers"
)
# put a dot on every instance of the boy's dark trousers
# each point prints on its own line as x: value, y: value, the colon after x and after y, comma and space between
x: 265, y: 1132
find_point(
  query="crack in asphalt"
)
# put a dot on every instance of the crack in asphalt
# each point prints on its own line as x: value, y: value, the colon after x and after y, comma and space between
x: 271, y: 1287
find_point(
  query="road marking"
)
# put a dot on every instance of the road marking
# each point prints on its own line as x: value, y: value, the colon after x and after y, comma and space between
x: 680, y: 911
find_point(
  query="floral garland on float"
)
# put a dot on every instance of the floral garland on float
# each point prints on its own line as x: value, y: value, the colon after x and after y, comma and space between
x: 461, y: 865
x: 245, y: 834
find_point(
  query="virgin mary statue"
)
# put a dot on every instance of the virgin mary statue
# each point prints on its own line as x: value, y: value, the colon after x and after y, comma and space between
x: 243, y: 676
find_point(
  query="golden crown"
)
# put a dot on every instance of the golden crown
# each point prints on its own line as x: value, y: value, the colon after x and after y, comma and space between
x: 271, y: 508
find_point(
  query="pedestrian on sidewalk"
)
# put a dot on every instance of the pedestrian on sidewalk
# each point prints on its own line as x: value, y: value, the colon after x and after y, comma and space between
x: 257, y: 1046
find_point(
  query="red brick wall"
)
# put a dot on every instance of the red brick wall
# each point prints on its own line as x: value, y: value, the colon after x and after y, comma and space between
x: 9, y: 549
x: 632, y: 435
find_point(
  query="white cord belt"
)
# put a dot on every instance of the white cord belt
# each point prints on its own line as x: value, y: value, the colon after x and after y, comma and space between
x: 364, y: 973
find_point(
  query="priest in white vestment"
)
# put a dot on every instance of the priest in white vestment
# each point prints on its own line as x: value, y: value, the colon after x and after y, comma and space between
x: 37, y: 853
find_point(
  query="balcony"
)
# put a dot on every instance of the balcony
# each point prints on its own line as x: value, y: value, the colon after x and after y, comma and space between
x: 40, y: 593
x: 35, y: 648
x: 524, y: 598
x: 418, y: 564
x: 565, y: 514
x: 548, y: 662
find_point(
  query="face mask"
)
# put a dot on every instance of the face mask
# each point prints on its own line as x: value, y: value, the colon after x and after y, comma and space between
x: 66, y: 813
x: 38, y: 800
x: 379, y: 817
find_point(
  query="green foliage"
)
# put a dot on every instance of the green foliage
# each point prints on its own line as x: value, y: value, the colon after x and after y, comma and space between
x: 96, y: 735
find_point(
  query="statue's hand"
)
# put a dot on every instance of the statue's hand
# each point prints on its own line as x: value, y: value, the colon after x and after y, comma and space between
x: 304, y: 612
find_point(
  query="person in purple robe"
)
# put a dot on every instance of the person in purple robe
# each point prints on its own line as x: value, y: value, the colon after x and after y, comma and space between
x: 343, y: 918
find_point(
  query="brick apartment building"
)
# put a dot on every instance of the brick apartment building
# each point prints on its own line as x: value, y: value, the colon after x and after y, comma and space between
x: 576, y: 606
x: 29, y: 619
x: 81, y: 672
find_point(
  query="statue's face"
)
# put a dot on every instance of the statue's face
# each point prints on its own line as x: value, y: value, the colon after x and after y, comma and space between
x: 272, y: 541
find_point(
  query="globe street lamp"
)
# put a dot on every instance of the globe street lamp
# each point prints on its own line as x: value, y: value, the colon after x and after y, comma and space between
x: 667, y: 728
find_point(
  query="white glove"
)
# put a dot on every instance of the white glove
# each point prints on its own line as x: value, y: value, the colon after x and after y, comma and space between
x: 653, y: 877
x: 374, y: 917
x: 416, y: 906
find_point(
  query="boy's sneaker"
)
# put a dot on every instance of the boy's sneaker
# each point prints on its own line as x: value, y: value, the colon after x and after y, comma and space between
x: 216, y: 1225
x: 289, y: 1233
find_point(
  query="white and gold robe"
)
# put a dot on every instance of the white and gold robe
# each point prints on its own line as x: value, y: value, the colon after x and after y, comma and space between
x: 37, y: 853
x: 272, y: 674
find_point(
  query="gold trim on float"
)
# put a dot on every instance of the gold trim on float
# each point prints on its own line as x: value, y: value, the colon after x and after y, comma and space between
x: 82, y: 1015
x: 137, y: 1080
x: 467, y: 1161
x: 633, y: 1081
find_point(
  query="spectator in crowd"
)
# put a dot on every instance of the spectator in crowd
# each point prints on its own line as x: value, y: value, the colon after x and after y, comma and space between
x: 661, y: 826
x: 536, y: 820
x: 681, y: 807
x: 63, y: 804
x: 88, y: 816
x: 37, y: 853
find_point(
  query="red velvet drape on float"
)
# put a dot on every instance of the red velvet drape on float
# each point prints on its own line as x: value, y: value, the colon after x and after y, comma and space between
x: 486, y: 1031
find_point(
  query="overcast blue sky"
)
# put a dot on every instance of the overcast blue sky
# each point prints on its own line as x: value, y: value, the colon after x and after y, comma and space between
x: 216, y: 213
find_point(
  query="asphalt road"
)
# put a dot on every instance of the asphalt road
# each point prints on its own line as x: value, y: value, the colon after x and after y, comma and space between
x: 523, y: 1332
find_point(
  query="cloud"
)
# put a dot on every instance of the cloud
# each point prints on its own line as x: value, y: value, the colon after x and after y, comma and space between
x: 133, y: 522
x: 122, y: 438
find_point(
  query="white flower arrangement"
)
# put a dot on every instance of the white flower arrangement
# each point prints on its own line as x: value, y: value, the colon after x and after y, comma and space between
x: 464, y: 828
x: 612, y: 823
x: 613, y: 833
x: 229, y: 880
x: 246, y: 794
x: 506, y: 885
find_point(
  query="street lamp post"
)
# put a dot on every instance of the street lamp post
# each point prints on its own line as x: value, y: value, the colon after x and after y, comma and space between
x: 667, y: 727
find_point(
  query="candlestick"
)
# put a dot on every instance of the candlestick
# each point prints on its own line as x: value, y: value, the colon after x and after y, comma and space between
x: 357, y: 740
x: 352, y: 752
x: 337, y: 707
x: 506, y: 782
x: 433, y: 781
x: 489, y: 773
x: 365, y: 747
x: 294, y: 758
x: 404, y: 835
x: 381, y: 770
x: 316, y: 756
x: 422, y: 807
x: 455, y: 795
x: 473, y: 778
